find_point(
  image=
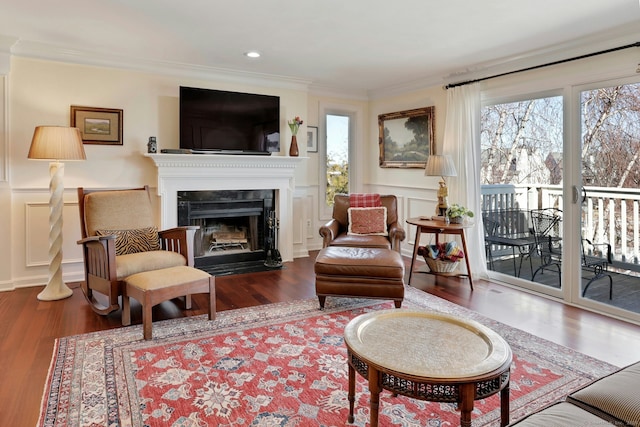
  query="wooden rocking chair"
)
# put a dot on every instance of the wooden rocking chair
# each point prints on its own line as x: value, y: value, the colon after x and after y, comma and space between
x: 119, y: 238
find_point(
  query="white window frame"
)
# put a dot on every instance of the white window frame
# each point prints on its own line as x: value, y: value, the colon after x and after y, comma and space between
x: 356, y: 131
x: 570, y: 84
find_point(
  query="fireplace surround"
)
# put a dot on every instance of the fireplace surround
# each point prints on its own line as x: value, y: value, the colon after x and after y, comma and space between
x: 210, y: 172
x: 233, y: 228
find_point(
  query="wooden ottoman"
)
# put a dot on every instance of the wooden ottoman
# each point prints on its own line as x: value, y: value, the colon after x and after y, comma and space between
x: 359, y: 272
x: 153, y: 287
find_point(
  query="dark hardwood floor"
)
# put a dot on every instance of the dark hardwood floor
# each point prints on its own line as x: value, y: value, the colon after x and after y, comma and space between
x: 28, y: 327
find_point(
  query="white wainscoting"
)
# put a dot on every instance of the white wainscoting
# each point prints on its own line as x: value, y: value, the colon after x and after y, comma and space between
x: 29, y: 264
x: 37, y: 234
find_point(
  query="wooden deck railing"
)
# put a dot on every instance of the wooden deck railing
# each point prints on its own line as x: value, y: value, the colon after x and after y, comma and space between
x: 610, y: 215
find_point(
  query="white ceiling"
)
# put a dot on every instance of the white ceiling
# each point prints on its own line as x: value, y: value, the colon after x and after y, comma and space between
x: 354, y: 46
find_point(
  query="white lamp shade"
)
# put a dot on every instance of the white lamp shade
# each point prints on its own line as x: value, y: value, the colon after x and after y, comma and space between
x: 56, y: 143
x: 440, y: 165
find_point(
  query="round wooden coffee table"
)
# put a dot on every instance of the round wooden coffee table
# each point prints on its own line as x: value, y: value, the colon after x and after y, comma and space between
x: 428, y: 356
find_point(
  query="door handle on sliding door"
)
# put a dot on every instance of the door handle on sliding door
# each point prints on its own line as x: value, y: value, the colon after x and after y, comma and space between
x: 576, y: 194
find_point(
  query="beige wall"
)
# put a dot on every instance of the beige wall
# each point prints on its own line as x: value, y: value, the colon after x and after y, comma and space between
x: 36, y: 92
x: 393, y: 177
x: 416, y: 193
x: 41, y: 93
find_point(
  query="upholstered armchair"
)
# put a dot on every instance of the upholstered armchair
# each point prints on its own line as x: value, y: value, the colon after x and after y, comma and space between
x: 360, y: 232
x: 120, y: 238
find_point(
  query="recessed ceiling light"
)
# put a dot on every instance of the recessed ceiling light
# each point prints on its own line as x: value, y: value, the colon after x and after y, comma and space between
x: 252, y: 54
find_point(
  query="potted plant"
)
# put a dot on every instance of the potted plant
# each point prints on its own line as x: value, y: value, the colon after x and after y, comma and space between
x: 457, y: 213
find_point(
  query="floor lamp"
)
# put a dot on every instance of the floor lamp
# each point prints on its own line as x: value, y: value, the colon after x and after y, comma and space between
x: 441, y: 165
x: 56, y: 143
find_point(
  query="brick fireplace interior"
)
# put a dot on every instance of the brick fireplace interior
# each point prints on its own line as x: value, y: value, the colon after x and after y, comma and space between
x: 233, y: 233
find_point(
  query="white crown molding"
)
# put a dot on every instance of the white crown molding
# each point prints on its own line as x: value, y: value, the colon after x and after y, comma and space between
x: 607, y: 40
x: 406, y: 87
x: 50, y: 52
x: 337, y: 92
x: 622, y: 36
x: 6, y: 43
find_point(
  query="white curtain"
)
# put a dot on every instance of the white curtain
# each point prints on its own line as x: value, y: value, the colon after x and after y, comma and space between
x: 462, y: 143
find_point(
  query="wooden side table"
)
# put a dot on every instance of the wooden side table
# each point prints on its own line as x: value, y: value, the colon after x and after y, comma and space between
x: 437, y: 228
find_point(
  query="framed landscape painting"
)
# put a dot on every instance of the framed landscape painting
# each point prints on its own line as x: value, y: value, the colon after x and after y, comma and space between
x: 98, y: 125
x: 406, y: 138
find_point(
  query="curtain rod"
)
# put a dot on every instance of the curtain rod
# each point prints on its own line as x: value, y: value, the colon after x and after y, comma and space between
x: 562, y: 61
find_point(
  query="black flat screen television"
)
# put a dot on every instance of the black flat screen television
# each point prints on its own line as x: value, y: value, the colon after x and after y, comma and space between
x: 229, y: 122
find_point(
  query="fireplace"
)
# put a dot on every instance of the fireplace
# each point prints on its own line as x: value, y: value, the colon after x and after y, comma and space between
x: 209, y: 172
x: 233, y: 227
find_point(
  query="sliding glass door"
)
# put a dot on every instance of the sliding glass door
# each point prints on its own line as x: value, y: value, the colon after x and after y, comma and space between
x: 560, y: 186
x: 521, y: 175
x: 609, y: 195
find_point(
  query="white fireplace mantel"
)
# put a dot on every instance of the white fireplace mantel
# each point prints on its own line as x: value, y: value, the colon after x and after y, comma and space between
x: 200, y: 172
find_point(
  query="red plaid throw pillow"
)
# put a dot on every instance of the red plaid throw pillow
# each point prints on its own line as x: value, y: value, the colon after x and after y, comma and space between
x: 364, y: 200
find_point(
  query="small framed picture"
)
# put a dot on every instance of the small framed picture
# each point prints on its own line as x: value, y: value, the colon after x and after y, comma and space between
x: 312, y: 139
x: 98, y: 125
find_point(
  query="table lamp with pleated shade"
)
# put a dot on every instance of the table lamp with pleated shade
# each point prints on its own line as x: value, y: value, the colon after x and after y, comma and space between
x: 441, y: 165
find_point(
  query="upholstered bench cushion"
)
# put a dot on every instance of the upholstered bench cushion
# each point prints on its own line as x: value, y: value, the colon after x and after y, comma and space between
x: 154, y: 287
x: 359, y: 262
x: 616, y: 394
x: 127, y: 265
x: 561, y: 414
x: 158, y: 279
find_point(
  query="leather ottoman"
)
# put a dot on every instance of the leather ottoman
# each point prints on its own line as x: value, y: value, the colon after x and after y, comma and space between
x: 359, y: 272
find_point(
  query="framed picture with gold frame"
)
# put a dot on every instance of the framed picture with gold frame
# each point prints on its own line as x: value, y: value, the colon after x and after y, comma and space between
x: 98, y: 125
x: 406, y: 138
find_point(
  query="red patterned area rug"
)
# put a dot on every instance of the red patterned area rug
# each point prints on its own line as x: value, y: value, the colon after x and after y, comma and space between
x: 270, y: 366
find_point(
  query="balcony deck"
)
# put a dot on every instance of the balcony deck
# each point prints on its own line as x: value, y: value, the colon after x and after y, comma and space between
x: 626, y: 287
x: 610, y: 215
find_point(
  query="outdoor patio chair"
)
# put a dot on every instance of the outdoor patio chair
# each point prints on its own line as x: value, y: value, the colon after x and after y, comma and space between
x: 546, y: 224
x: 508, y: 229
x: 596, y: 258
x: 490, y: 229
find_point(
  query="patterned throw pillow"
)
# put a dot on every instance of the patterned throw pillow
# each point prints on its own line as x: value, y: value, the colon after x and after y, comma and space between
x: 364, y: 200
x: 133, y: 241
x: 368, y: 221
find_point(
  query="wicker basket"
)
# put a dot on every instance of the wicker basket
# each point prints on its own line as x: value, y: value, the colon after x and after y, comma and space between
x: 441, y: 266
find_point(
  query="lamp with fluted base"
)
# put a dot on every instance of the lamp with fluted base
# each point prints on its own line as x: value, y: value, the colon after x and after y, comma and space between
x: 441, y: 165
x: 56, y: 143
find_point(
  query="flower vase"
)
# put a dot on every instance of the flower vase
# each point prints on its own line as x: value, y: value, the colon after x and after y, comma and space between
x: 293, y: 149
